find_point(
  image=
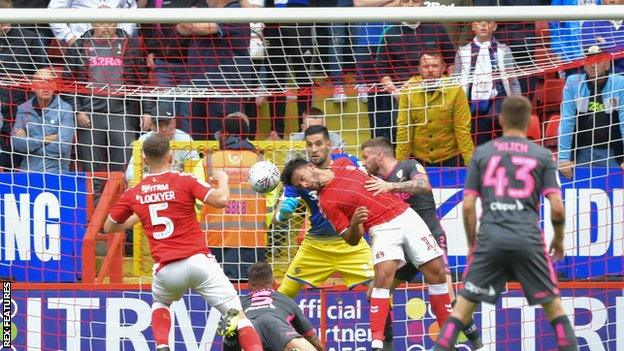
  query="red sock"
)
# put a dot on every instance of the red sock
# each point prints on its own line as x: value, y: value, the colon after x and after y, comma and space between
x: 247, y: 336
x: 379, y: 309
x: 161, y: 324
x: 440, y: 302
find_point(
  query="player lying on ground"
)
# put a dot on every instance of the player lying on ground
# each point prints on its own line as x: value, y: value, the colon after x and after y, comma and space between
x: 408, y: 181
x: 510, y: 174
x: 164, y: 202
x: 397, y: 233
x: 277, y: 318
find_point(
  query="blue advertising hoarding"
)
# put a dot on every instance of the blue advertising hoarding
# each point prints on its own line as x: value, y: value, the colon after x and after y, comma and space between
x: 42, y: 223
x: 114, y: 320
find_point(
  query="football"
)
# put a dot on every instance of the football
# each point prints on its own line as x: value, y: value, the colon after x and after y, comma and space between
x: 263, y: 177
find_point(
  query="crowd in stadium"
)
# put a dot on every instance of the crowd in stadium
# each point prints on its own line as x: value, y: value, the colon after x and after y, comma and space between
x: 68, y: 70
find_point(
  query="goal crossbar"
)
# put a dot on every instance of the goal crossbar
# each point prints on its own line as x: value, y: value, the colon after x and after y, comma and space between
x: 311, y: 15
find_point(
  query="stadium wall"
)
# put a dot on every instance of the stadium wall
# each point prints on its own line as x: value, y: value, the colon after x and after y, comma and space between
x: 117, y: 317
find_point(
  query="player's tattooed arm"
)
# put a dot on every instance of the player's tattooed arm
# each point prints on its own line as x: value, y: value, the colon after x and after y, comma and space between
x: 417, y: 185
x: 470, y: 219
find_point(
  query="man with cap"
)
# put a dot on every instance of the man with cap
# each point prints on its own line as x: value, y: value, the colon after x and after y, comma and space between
x: 591, y: 128
x: 166, y: 125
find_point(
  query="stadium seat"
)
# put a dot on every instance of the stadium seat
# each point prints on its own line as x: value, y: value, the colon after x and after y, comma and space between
x: 553, y: 95
x: 535, y: 130
x: 551, y: 128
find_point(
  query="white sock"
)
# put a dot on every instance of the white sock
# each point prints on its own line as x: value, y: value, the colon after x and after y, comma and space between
x: 377, y: 344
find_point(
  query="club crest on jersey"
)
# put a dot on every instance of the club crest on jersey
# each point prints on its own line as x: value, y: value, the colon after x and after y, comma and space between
x: 420, y: 168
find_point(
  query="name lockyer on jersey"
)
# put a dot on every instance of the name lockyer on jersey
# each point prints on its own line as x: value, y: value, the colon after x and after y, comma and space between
x: 163, y: 194
x: 165, y: 203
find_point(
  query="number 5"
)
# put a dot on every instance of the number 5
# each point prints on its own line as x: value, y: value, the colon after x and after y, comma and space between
x: 158, y: 220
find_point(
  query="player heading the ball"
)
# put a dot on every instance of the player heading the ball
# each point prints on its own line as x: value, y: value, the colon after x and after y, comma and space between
x: 397, y: 232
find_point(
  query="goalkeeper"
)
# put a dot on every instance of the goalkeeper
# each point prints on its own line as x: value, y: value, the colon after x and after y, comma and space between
x: 323, y: 252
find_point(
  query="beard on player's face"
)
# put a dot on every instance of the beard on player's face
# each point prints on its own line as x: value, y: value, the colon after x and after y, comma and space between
x: 318, y: 155
x: 318, y: 160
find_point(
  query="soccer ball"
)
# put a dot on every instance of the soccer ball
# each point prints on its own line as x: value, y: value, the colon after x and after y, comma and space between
x: 263, y: 177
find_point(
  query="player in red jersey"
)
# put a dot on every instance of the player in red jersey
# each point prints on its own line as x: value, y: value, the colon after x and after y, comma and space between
x: 397, y: 232
x: 164, y: 202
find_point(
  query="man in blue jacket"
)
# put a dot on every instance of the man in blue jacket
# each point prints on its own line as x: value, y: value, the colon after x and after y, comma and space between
x: 565, y: 36
x: 44, y: 128
x: 591, y: 128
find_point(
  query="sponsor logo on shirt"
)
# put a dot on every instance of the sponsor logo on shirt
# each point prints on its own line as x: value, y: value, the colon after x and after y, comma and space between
x: 105, y: 61
x: 502, y: 206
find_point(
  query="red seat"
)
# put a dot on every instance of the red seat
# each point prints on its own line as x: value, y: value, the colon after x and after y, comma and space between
x: 553, y: 95
x: 551, y: 132
x: 535, y: 130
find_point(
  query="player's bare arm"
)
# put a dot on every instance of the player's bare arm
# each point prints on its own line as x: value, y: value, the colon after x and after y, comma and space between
x: 418, y: 185
x: 315, y: 341
x: 557, y: 217
x: 470, y: 219
x: 220, y: 196
x: 112, y: 227
x: 566, y: 168
x: 354, y: 233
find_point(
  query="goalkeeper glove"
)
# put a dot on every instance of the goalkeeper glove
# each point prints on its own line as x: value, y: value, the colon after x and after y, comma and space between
x: 287, y: 207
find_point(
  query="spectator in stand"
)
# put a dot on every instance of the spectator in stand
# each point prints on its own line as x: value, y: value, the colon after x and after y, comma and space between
x: 367, y: 42
x: 44, y: 128
x: 591, y: 116
x: 167, y: 54
x: 459, y: 32
x: 68, y: 33
x: 397, y: 61
x: 42, y: 29
x: 21, y: 54
x: 289, y: 55
x: 519, y: 36
x: 315, y: 117
x: 483, y: 66
x: 608, y: 35
x: 107, y: 57
x: 337, y: 53
x: 565, y: 36
x: 233, y: 135
x: 165, y: 124
x: 434, y: 118
x: 218, y: 58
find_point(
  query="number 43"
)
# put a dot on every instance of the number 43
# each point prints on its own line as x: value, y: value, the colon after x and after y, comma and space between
x: 496, y: 176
